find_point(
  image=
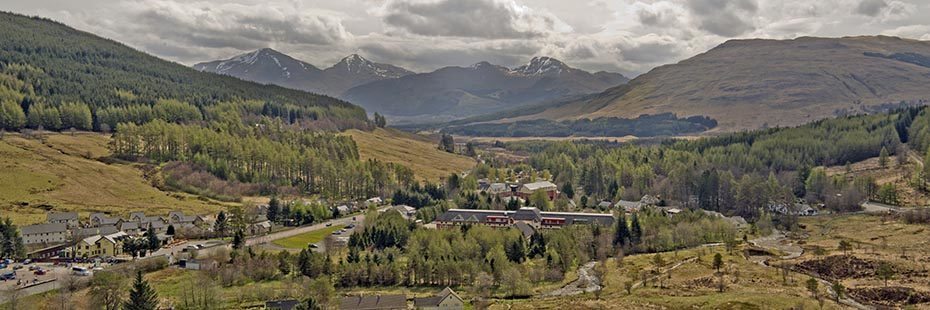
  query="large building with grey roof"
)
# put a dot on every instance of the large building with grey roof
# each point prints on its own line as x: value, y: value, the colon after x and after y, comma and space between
x: 530, y: 216
x: 49, y: 233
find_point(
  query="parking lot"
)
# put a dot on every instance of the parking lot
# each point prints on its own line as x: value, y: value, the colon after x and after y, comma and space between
x: 29, y: 280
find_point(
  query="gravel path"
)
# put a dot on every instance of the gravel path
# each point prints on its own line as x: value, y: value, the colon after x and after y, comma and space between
x: 586, y: 283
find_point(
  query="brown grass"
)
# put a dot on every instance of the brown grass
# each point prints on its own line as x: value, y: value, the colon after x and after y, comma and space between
x: 64, y: 174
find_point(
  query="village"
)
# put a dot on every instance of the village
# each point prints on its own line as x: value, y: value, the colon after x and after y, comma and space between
x: 67, y: 245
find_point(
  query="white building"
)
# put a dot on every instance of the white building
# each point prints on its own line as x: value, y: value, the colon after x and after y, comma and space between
x: 44, y: 233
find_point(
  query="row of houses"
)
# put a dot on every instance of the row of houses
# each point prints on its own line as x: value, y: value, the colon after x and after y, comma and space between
x: 61, y: 227
x: 101, y: 235
x: 445, y: 300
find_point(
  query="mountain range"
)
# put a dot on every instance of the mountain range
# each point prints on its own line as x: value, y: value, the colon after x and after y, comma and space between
x: 756, y: 83
x: 449, y: 92
x: 269, y: 66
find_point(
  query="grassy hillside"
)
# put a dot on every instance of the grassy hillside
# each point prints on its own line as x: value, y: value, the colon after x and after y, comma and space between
x: 747, y: 84
x: 64, y: 174
x: 421, y: 155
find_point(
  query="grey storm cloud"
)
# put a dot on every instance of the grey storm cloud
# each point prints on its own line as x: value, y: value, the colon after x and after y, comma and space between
x: 231, y: 26
x: 871, y: 7
x: 489, y: 19
x: 724, y: 17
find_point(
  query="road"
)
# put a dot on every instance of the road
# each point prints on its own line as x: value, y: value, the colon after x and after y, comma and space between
x: 304, y: 229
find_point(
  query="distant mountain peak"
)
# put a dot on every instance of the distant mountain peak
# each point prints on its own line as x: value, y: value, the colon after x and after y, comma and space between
x: 542, y: 65
x: 357, y: 65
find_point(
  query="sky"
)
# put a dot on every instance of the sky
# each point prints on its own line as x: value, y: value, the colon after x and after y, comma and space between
x: 626, y: 36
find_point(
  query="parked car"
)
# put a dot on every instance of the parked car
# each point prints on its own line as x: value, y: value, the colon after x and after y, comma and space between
x: 3, y: 266
x: 27, y: 261
x: 9, y: 275
x: 80, y: 271
x: 17, y: 267
x: 39, y: 272
x: 329, y: 224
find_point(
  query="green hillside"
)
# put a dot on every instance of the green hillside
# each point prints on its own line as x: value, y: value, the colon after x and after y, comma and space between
x: 45, y: 61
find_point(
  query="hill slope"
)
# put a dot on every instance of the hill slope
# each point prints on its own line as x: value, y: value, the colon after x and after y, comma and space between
x: 746, y: 84
x: 392, y: 146
x: 482, y: 88
x: 48, y: 61
x: 64, y: 174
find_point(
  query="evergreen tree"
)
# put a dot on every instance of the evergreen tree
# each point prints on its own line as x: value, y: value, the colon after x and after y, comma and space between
x: 274, y: 208
x: 170, y: 230
x: 621, y: 232
x: 238, y: 239
x: 636, y: 232
x: 152, y: 239
x: 883, y: 158
x: 718, y: 262
x: 221, y: 223
x: 569, y: 190
x: 142, y: 296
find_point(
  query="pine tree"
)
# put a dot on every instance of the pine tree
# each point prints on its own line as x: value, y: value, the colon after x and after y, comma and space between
x: 238, y: 239
x: 883, y: 158
x: 142, y: 296
x: 274, y: 208
x: 220, y: 225
x: 636, y: 232
x: 152, y: 239
x: 621, y: 232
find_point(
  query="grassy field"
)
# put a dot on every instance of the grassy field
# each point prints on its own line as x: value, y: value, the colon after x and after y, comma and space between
x: 423, y: 156
x: 693, y: 285
x: 302, y: 240
x: 64, y: 174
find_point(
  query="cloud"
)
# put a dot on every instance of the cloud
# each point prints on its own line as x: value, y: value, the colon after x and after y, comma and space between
x: 629, y: 36
x: 724, y: 17
x: 871, y: 7
x: 489, y: 19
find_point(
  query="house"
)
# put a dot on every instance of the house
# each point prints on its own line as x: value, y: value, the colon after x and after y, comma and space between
x: 81, y: 233
x: 649, y: 200
x: 343, y: 209
x: 528, y: 189
x: 136, y: 216
x: 286, y: 304
x: 100, y: 246
x: 446, y: 300
x: 671, y: 211
x: 44, y: 233
x: 375, y: 201
x: 497, y: 188
x: 130, y: 227
x: 199, y: 264
x: 157, y: 225
x: 530, y: 216
x: 406, y: 211
x: 629, y: 206
x: 178, y: 217
x: 378, y: 302
x: 800, y: 207
x: 260, y: 225
x: 604, y: 205
x: 100, y: 219
x: 68, y: 218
